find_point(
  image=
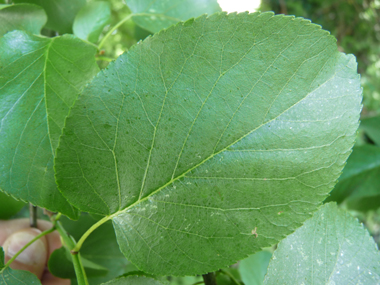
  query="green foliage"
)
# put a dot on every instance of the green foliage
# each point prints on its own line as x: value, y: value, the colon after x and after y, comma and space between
x: 202, y: 144
x: 61, y: 13
x: 254, y: 268
x: 9, y: 206
x: 91, y: 19
x: 330, y: 248
x: 355, y: 24
x: 141, y: 143
x: 27, y: 17
x: 41, y: 78
x: 157, y: 15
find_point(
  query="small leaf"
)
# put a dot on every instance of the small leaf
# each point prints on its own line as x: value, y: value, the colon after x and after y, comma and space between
x: 61, y: 13
x: 157, y: 15
x: 61, y: 265
x: 91, y: 20
x: 254, y: 268
x: 27, y: 17
x: 9, y: 206
x: 209, y: 141
x: 135, y: 280
x: 359, y: 185
x: 40, y: 79
x: 330, y: 248
x: 371, y: 127
x: 8, y: 276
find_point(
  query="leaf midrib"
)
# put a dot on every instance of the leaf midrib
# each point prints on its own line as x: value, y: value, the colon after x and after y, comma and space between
x: 215, y: 154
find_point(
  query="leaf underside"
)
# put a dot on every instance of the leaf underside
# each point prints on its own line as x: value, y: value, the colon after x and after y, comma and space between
x: 330, y: 248
x: 39, y: 80
x: 212, y: 139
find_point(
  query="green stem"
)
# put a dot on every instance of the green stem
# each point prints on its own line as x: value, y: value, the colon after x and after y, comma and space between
x: 69, y: 242
x: 209, y: 278
x: 113, y: 29
x: 28, y: 244
x: 231, y: 276
x: 88, y: 232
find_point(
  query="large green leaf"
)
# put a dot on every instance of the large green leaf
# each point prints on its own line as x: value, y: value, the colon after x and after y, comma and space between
x: 8, y: 276
x: 212, y: 139
x: 30, y: 18
x: 371, y: 127
x: 39, y: 80
x: 91, y: 19
x: 359, y: 185
x: 61, y: 13
x: 330, y: 248
x: 157, y: 15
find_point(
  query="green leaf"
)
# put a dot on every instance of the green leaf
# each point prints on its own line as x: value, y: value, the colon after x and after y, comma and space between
x: 40, y: 79
x: 206, y: 146
x: 157, y: 15
x: 9, y: 206
x: 371, y: 127
x: 61, y: 13
x: 254, y: 268
x: 30, y: 18
x: 8, y: 276
x: 359, y: 185
x: 100, y: 247
x: 91, y: 20
x: 330, y: 248
x: 61, y: 265
x: 135, y: 280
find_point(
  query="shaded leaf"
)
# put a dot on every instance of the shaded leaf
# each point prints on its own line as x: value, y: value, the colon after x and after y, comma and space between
x: 206, y: 146
x: 330, y: 248
x: 61, y: 13
x: 27, y: 17
x: 371, y: 127
x: 61, y: 265
x: 135, y: 280
x: 157, y: 15
x: 40, y: 79
x: 359, y: 185
x: 100, y: 247
x: 9, y: 206
x: 8, y: 276
x: 254, y: 268
x: 91, y: 19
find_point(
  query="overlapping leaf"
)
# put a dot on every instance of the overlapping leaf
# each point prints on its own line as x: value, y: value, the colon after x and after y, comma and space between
x: 371, y: 127
x: 212, y: 139
x: 30, y: 18
x: 91, y: 19
x: 39, y: 80
x: 330, y: 248
x: 359, y: 185
x: 157, y: 15
x: 135, y: 280
x: 61, y: 13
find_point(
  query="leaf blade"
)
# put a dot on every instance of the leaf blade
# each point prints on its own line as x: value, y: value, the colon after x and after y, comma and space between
x: 201, y: 106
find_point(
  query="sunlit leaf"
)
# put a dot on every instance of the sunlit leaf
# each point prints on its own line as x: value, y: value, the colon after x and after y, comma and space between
x: 212, y: 139
x: 135, y: 280
x: 330, y: 248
